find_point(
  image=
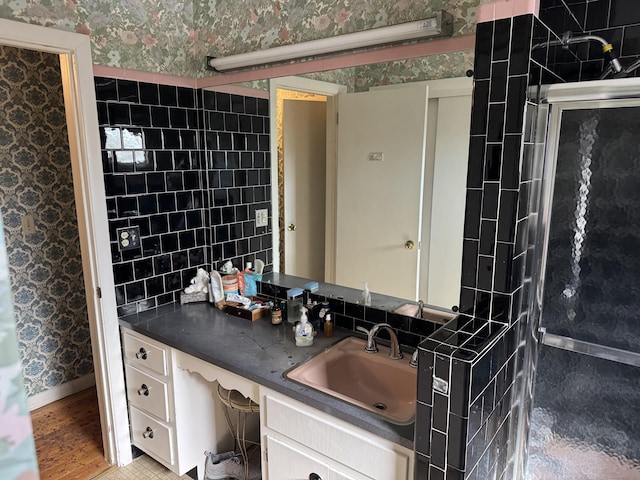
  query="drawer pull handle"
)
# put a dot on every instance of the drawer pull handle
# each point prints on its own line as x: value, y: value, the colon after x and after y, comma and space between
x: 148, y: 433
x: 314, y: 476
x: 141, y: 354
x: 143, y: 390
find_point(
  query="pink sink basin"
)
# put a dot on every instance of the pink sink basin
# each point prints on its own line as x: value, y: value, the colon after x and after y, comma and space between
x: 371, y: 381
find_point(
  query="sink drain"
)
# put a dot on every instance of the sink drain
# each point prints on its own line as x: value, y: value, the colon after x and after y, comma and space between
x: 380, y: 406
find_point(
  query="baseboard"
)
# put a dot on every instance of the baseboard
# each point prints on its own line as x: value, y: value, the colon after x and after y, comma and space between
x: 63, y: 390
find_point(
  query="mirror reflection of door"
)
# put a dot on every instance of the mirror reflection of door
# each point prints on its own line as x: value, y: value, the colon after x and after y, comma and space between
x: 381, y: 158
x: 304, y: 153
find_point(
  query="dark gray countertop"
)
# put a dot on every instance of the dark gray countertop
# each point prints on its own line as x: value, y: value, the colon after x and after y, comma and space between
x: 258, y: 351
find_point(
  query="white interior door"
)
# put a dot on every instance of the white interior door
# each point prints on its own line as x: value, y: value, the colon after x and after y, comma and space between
x: 304, y: 153
x: 442, y: 266
x: 381, y: 153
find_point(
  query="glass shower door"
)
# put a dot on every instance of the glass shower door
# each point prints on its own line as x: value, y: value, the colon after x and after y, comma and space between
x: 585, y: 421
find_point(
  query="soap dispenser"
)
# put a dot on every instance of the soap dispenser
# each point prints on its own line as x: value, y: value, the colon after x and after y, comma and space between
x: 304, y: 331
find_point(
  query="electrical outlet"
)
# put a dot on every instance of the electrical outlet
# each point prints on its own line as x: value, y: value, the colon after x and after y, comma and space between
x: 262, y: 217
x: 28, y: 224
x: 128, y: 238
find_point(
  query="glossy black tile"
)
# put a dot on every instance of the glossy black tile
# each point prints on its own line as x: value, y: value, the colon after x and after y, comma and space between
x: 479, y: 110
x: 469, y: 263
x: 503, y: 266
x: 490, y: 200
x: 140, y: 115
x: 423, y: 430
x: 134, y: 291
x: 186, y: 97
x: 516, y: 101
x: 498, y: 85
x: 501, y: 39
x: 149, y: 93
x: 456, y: 442
x: 119, y: 114
x: 487, y: 237
x: 495, y: 122
x: 122, y: 273
x: 472, y: 214
x: 127, y: 91
x: 507, y: 216
x: 510, y: 175
x: 106, y: 89
x: 623, y: 12
x: 168, y: 95
x: 520, y: 45
x: 493, y: 162
x: 484, y: 42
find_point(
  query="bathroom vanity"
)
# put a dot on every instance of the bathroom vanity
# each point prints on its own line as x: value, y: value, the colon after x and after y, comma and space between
x: 175, y: 355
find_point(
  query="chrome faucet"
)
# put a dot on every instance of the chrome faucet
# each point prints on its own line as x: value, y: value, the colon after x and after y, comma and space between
x: 394, y: 352
x: 420, y: 314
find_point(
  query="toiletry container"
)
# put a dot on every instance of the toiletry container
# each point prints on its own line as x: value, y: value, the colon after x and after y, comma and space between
x: 366, y: 295
x: 304, y: 332
x: 294, y: 304
x: 328, y: 326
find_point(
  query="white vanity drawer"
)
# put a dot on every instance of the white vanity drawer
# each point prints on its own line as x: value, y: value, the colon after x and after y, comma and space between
x: 144, y: 353
x: 147, y: 393
x: 151, y: 436
x: 288, y: 462
x: 336, y: 439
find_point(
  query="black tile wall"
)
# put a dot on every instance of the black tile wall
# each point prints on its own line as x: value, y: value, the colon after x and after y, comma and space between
x: 236, y: 135
x: 158, y: 151
x: 616, y: 21
x: 350, y: 315
x: 474, y: 393
x: 502, y: 195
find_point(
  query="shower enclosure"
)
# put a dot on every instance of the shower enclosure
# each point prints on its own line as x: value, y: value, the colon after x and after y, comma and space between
x: 580, y: 415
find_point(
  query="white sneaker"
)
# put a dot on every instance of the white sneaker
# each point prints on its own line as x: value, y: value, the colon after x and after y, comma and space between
x: 232, y: 467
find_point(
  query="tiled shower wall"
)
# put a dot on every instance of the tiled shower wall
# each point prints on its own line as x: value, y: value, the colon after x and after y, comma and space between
x: 35, y: 179
x: 477, y: 439
x: 169, y: 154
x: 616, y: 21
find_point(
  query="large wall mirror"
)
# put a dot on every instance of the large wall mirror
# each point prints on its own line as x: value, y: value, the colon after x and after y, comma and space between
x: 369, y: 174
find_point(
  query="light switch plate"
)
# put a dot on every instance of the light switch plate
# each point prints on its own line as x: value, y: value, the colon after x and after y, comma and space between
x: 262, y: 217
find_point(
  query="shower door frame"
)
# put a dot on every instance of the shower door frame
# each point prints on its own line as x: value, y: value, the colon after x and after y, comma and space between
x: 559, y: 98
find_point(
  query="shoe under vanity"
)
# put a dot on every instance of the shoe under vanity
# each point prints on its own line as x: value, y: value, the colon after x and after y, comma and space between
x: 176, y: 415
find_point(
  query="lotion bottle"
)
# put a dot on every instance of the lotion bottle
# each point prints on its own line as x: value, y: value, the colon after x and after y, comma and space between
x: 304, y: 331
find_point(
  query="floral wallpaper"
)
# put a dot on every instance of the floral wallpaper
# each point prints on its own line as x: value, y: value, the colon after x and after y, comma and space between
x: 17, y: 449
x: 35, y: 179
x: 174, y: 36
x: 146, y: 35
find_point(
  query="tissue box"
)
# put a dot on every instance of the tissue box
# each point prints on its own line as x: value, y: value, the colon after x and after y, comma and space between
x: 237, y: 310
x: 193, y: 297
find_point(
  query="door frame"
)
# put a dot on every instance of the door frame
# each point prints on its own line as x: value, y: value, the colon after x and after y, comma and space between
x: 331, y: 91
x: 78, y: 86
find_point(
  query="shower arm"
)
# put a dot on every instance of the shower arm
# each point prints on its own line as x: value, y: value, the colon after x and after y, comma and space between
x: 607, y: 48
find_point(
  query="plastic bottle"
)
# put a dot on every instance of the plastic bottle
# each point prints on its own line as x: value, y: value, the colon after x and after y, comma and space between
x: 304, y: 331
x: 328, y: 326
x: 366, y: 295
x: 294, y: 304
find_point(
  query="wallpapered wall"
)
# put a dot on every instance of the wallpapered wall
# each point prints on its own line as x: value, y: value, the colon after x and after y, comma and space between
x: 17, y: 450
x: 174, y: 36
x: 35, y: 178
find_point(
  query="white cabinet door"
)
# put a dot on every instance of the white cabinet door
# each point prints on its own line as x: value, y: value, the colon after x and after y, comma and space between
x: 287, y: 462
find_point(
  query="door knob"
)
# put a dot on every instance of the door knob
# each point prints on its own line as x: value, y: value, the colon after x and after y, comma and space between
x: 292, y: 227
x: 148, y: 433
x: 409, y: 245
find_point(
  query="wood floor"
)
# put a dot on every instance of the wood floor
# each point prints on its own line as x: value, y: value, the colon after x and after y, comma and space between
x: 68, y: 438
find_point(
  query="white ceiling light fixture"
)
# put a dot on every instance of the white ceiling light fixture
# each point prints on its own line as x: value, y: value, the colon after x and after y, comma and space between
x: 441, y: 24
